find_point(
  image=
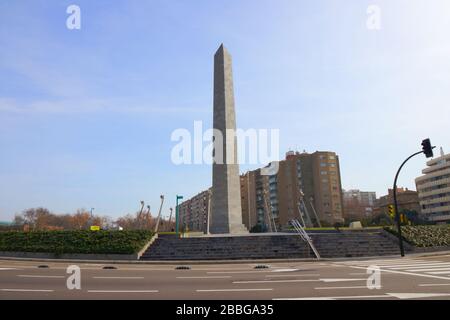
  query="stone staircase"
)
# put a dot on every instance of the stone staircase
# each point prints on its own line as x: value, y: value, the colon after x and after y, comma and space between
x: 273, y: 246
x: 228, y: 248
x: 348, y: 244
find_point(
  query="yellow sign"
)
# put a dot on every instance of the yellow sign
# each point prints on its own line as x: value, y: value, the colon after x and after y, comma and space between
x: 95, y: 228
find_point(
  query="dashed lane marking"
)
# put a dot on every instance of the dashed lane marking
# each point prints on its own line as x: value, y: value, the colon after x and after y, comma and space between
x: 233, y: 290
x: 39, y: 276
x: 123, y: 291
x: 26, y: 290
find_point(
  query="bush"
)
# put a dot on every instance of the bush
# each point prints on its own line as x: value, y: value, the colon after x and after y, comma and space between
x: 258, y: 228
x: 425, y: 236
x: 59, y: 242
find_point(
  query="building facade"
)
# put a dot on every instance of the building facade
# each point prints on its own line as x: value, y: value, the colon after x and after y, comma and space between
x: 407, y: 200
x: 305, y: 183
x: 434, y: 189
x: 193, y: 213
x: 307, y: 187
x: 358, y: 204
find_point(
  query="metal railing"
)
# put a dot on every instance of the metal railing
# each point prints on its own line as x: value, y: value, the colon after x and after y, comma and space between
x: 302, y: 233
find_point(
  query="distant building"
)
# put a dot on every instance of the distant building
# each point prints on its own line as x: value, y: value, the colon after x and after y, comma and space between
x: 311, y: 181
x: 434, y: 189
x: 303, y: 179
x: 407, y: 200
x: 358, y: 204
x: 193, y: 213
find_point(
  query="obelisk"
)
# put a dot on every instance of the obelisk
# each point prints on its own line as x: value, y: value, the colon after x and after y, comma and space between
x: 226, y: 210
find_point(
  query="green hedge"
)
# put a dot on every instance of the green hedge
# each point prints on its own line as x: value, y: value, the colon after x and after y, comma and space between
x: 425, y: 236
x: 59, y: 242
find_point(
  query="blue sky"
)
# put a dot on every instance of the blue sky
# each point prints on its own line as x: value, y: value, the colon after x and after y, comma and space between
x: 86, y: 115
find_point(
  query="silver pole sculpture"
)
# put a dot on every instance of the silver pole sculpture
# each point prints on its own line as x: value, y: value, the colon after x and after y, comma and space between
x: 159, y: 214
x: 300, y: 211
x: 314, y: 211
x: 148, y: 218
x: 139, y: 217
x: 170, y: 220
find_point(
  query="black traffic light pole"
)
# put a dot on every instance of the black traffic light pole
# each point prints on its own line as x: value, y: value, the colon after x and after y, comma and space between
x: 397, y: 214
x: 428, y: 151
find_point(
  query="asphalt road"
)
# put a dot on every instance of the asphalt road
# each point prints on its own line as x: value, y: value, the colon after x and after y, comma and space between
x: 407, y: 278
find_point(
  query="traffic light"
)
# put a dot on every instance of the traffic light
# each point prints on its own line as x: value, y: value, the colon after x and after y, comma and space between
x: 427, y: 148
x: 391, y: 211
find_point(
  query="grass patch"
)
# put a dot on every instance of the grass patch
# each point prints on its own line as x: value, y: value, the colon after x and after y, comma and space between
x: 82, y: 241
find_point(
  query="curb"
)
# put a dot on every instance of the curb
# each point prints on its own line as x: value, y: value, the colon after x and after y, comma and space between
x: 199, y: 262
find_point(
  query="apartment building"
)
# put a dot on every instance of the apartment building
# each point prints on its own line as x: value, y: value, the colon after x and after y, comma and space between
x: 193, y: 213
x: 358, y: 204
x: 307, y: 183
x: 434, y: 189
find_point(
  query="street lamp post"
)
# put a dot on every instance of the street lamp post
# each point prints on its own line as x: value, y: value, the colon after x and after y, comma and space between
x: 428, y: 151
x: 159, y: 214
x: 177, y: 214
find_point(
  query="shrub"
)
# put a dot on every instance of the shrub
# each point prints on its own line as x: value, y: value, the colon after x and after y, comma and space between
x: 425, y: 236
x: 82, y: 241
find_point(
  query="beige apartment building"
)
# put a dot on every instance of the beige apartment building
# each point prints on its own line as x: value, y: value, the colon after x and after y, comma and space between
x: 308, y: 183
x: 193, y: 213
x: 434, y: 189
x: 305, y: 182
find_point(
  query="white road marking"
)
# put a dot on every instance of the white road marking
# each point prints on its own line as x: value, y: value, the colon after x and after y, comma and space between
x: 418, y: 295
x: 123, y: 291
x: 418, y: 266
x: 205, y: 277
x: 428, y: 269
x: 387, y: 295
x: 358, y: 274
x: 407, y: 273
x: 338, y: 288
x: 391, y: 261
x: 274, y: 281
x: 231, y: 290
x: 285, y: 270
x: 297, y: 280
x: 292, y: 275
x: 39, y: 276
x: 130, y: 278
x: 440, y: 272
x: 26, y: 290
x: 336, y: 298
x: 434, y: 284
x: 342, y: 280
x: 7, y: 269
x: 233, y: 272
